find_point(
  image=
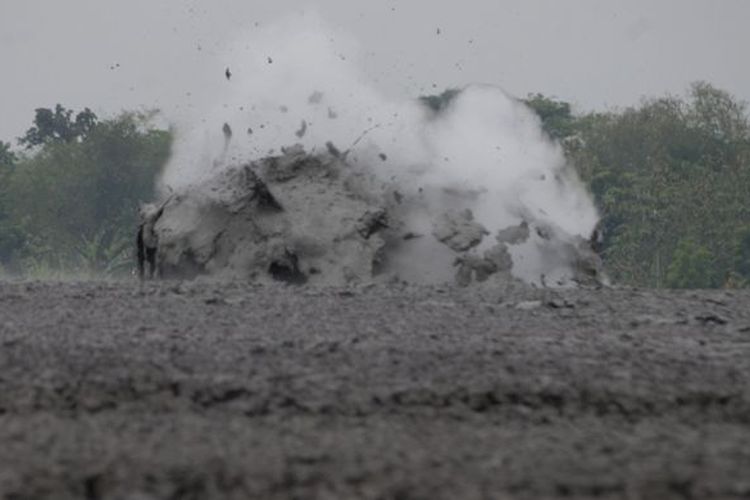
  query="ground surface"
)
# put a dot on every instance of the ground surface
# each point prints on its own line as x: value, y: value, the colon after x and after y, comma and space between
x: 192, y: 391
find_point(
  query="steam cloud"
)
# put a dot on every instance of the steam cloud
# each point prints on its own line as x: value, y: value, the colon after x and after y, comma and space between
x: 299, y: 82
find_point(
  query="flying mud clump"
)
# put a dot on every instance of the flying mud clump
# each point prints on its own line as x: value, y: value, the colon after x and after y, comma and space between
x: 316, y: 218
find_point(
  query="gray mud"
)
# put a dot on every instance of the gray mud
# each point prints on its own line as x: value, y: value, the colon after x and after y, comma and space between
x: 320, y: 219
x: 204, y: 390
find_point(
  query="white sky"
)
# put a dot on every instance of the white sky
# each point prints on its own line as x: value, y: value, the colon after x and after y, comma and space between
x: 594, y: 53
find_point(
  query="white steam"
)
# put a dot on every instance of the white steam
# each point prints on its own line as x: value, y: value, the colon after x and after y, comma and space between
x: 299, y: 82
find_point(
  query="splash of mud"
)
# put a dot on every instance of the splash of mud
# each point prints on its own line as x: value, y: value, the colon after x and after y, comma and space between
x: 320, y: 219
x: 377, y: 188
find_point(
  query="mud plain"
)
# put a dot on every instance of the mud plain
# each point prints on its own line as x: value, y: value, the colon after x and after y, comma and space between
x: 192, y: 390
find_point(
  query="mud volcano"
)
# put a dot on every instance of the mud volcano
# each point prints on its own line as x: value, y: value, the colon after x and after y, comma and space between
x: 318, y: 218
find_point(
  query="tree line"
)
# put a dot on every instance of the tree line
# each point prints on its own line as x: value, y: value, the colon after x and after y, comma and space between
x: 69, y: 198
x: 670, y: 177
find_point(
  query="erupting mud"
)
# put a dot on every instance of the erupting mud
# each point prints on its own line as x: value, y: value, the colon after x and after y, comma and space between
x: 336, y: 183
x: 319, y: 219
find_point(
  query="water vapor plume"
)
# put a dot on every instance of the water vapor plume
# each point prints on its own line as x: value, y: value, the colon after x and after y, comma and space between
x: 480, y: 160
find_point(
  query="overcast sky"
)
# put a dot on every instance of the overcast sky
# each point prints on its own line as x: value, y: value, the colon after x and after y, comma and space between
x: 112, y: 55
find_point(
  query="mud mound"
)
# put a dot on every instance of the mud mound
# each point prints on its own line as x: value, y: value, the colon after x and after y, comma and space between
x: 318, y: 218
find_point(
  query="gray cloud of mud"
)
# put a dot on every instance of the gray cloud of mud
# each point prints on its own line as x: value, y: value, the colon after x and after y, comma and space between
x: 299, y: 81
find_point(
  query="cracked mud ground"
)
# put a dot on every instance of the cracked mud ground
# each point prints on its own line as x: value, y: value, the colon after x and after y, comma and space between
x: 204, y: 390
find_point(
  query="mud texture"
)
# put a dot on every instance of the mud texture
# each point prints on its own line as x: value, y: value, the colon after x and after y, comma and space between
x: 170, y: 390
x: 317, y: 218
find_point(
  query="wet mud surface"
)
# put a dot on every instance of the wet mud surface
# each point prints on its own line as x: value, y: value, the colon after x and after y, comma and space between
x: 202, y: 390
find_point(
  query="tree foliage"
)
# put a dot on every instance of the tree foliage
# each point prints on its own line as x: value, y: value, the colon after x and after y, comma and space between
x: 557, y: 117
x: 742, y: 255
x: 7, y: 157
x: 58, y: 125
x: 10, y: 236
x: 692, y: 267
x: 671, y: 178
x: 73, y: 195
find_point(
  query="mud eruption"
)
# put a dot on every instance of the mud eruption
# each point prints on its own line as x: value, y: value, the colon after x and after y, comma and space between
x: 334, y: 183
x: 303, y: 218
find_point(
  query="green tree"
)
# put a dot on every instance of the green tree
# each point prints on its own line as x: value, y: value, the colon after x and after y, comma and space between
x: 7, y: 156
x: 11, y: 237
x: 692, y: 267
x: 557, y: 118
x: 742, y: 254
x: 72, y: 195
x: 58, y: 125
x: 670, y: 170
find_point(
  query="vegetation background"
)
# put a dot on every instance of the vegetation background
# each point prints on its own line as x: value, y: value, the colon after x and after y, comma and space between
x: 671, y: 178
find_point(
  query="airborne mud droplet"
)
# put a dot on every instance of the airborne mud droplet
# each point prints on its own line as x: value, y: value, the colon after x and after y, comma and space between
x: 300, y: 133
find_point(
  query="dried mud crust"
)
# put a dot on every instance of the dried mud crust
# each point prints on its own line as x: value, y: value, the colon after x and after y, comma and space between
x: 208, y: 390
